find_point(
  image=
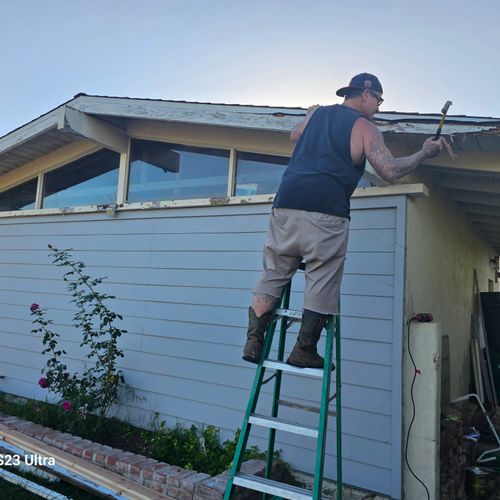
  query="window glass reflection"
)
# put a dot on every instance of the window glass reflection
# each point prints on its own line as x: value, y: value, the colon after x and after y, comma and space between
x: 92, y: 180
x: 21, y: 197
x: 164, y: 171
x: 258, y: 174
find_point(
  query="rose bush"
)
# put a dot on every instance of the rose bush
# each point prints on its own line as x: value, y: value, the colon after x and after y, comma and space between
x: 95, y: 388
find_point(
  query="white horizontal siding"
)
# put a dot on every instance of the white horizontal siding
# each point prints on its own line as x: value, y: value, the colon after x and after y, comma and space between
x: 183, y: 282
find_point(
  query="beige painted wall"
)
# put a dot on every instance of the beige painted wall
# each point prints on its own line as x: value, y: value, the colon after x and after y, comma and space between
x: 253, y: 141
x: 442, y: 252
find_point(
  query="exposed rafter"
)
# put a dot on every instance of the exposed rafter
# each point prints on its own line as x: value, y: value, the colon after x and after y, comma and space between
x: 92, y: 128
x: 479, y: 209
x: 488, y: 199
x: 483, y: 183
x: 486, y: 219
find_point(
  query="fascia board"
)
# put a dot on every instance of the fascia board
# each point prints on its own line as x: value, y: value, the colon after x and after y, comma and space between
x: 270, y: 119
x: 31, y: 130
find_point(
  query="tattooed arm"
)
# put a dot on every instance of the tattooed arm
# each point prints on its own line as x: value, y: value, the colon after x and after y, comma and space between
x: 388, y: 167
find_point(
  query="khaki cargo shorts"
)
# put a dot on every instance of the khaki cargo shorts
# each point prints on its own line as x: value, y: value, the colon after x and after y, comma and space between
x: 318, y: 239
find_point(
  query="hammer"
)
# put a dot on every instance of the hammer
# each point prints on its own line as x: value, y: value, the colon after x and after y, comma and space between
x: 446, y: 106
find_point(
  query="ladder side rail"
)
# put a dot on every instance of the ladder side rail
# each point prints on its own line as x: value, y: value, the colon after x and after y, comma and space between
x: 285, y: 303
x: 252, y: 404
x: 323, y: 416
x: 338, y: 403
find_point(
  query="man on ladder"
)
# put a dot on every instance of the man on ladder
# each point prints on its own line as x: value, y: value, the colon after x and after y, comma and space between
x: 310, y: 215
x: 309, y: 222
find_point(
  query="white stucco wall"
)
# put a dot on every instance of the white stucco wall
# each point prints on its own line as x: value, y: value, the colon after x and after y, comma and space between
x: 442, y: 252
x: 424, y: 438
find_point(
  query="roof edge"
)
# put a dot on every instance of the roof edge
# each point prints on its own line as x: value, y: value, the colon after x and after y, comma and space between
x: 270, y: 118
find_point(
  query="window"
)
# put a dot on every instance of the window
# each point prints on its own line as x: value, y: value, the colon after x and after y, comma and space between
x: 163, y: 171
x: 92, y: 180
x: 158, y: 171
x: 21, y: 197
x: 258, y: 174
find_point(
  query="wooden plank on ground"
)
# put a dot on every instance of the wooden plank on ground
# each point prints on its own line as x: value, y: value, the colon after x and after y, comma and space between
x: 478, y: 381
x: 485, y: 352
x: 89, y: 470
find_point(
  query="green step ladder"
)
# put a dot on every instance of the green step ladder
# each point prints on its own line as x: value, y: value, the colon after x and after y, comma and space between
x: 274, y: 489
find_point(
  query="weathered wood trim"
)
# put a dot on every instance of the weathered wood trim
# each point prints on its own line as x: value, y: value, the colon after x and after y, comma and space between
x: 31, y: 130
x: 411, y: 190
x: 149, y: 205
x: 267, y: 118
x: 96, y: 130
x: 263, y: 118
x: 429, y: 129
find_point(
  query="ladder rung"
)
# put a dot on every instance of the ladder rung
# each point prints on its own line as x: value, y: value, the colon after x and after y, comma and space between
x: 285, y: 367
x: 300, y: 406
x: 283, y: 425
x: 289, y: 314
x: 272, y: 487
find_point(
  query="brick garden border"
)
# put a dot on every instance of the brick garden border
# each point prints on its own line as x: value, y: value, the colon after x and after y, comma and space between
x: 172, y: 481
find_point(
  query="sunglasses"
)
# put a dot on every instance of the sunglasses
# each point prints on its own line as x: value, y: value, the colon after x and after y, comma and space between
x: 379, y: 99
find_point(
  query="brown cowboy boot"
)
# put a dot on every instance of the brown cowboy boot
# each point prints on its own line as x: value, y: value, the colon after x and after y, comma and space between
x: 255, y: 335
x: 304, y: 353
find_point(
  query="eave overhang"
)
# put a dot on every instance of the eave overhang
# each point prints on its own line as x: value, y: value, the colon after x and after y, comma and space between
x: 472, y: 179
x: 104, y: 121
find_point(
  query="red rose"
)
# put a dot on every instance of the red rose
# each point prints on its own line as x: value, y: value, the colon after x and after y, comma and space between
x: 34, y: 307
x: 43, y: 383
x: 67, y: 406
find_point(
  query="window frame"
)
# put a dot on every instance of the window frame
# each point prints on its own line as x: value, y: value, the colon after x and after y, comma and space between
x: 124, y: 177
x: 41, y: 181
x: 247, y: 151
x: 18, y: 184
x: 180, y: 201
x: 41, y: 174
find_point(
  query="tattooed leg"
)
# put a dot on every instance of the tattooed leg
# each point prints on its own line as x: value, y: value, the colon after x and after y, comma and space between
x: 262, y: 303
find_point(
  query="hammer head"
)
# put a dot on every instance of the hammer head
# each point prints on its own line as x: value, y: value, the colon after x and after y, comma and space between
x: 446, y: 107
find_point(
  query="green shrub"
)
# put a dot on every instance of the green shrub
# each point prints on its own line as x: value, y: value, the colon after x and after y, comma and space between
x: 196, y: 448
x: 93, y: 390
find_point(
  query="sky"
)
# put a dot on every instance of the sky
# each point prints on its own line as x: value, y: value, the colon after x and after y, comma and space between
x: 264, y: 52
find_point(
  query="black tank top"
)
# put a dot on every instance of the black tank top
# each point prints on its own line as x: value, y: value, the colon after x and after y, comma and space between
x: 321, y: 176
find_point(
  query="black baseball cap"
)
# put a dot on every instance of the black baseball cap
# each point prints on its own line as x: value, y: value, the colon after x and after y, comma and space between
x: 362, y: 81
